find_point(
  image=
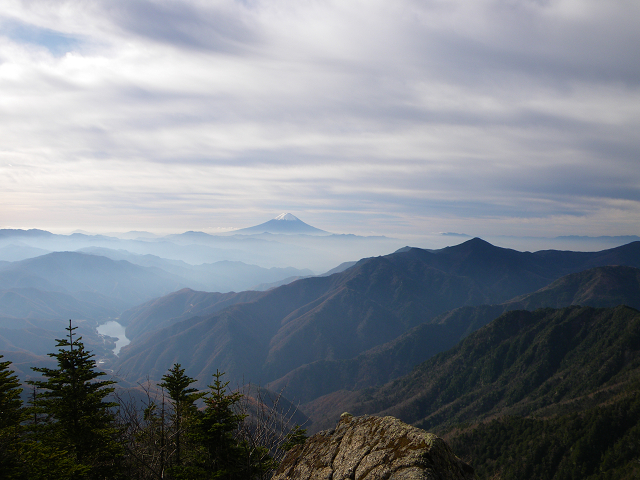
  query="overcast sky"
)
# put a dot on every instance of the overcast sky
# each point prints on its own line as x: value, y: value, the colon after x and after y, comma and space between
x: 396, y: 117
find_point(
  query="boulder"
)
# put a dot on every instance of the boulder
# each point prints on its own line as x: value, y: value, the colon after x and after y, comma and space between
x: 373, y: 448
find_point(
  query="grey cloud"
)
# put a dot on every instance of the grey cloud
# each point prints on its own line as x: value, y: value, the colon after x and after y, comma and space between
x: 521, y: 40
x: 599, y: 181
x: 182, y: 24
x: 513, y: 121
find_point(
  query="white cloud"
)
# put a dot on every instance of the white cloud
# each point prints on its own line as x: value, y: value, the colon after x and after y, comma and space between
x: 413, y: 110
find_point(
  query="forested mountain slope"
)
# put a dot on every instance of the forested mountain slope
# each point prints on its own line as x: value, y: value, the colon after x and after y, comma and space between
x: 597, y: 287
x: 521, y: 362
x: 181, y: 305
x: 340, y: 316
x: 571, y: 375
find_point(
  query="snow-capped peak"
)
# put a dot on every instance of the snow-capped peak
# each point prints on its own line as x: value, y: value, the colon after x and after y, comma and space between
x: 286, y: 216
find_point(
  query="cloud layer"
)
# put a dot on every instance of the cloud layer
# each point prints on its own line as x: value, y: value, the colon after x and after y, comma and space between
x: 514, y: 117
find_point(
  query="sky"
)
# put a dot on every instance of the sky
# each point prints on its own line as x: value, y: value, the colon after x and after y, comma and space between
x: 403, y: 117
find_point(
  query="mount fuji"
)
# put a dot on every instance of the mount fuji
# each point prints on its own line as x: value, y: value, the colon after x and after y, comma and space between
x: 285, y: 223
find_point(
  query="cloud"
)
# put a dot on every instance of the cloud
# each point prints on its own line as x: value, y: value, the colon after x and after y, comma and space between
x: 435, y: 113
x: 212, y: 26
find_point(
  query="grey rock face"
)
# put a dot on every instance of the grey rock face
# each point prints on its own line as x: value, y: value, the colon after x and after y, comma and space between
x: 373, y: 448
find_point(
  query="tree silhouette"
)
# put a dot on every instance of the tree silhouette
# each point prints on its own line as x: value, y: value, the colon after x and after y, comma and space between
x: 183, y: 400
x: 218, y: 452
x: 76, y: 417
x: 12, y: 414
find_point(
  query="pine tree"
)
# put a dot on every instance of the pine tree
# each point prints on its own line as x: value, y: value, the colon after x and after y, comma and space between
x: 220, y: 454
x: 76, y: 417
x: 12, y: 414
x: 224, y: 455
x: 183, y: 400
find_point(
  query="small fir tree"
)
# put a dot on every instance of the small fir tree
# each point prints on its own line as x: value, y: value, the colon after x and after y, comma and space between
x: 183, y: 398
x: 220, y: 454
x: 12, y: 414
x: 11, y: 411
x: 76, y: 418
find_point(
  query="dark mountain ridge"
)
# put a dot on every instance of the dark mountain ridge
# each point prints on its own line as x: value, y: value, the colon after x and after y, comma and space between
x: 343, y: 315
x: 607, y: 286
x: 544, y: 394
x: 510, y: 271
x: 521, y: 362
x: 597, y: 287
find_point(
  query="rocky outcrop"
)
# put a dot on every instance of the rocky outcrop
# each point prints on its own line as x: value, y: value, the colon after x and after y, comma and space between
x: 373, y: 448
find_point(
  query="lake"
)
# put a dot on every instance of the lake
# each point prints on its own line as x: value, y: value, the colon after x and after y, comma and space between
x: 114, y: 329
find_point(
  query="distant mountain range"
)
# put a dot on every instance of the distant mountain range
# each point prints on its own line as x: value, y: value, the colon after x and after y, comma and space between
x: 222, y: 276
x: 336, y: 318
x: 39, y: 295
x: 281, y: 243
x: 89, y: 276
x: 48, y: 278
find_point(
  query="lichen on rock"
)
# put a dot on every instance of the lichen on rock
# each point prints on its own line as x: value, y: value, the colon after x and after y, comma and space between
x: 373, y: 448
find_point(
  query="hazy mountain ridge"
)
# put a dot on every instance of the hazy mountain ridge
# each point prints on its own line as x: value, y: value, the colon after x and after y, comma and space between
x: 16, y: 252
x: 39, y: 295
x: 222, y: 276
x: 31, y: 303
x: 341, y: 316
x: 181, y: 305
x: 299, y: 250
x: 77, y: 272
x: 86, y: 285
